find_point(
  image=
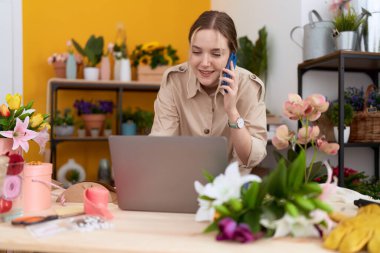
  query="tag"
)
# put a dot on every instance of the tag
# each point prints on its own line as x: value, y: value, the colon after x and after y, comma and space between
x: 371, y: 109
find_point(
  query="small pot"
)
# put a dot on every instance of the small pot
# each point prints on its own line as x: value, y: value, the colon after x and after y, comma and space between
x: 64, y: 130
x: 81, y: 133
x: 346, y: 134
x: 91, y: 73
x: 107, y: 132
x: 95, y: 132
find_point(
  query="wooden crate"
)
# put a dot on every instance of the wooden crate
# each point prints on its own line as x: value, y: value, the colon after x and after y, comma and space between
x: 146, y: 74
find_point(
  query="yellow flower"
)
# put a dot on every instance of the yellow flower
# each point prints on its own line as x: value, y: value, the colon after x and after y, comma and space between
x: 14, y: 101
x: 168, y: 59
x: 145, y: 60
x: 36, y: 120
x: 43, y: 125
x: 150, y: 46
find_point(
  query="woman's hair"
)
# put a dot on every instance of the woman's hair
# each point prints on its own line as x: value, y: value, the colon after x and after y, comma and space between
x: 219, y: 21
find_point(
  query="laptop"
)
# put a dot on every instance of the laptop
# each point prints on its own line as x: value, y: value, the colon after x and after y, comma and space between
x: 156, y: 173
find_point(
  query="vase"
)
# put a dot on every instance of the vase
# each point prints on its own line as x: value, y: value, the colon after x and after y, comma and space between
x: 91, y: 73
x: 64, y: 130
x: 125, y: 70
x: 346, y: 134
x: 60, y: 69
x: 116, y: 67
x: 93, y: 121
x: 71, y: 67
x: 146, y: 74
x: 81, y: 133
x: 347, y: 41
x: 105, y: 68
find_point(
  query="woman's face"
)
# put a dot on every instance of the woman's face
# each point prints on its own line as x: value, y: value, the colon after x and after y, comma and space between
x: 208, y: 56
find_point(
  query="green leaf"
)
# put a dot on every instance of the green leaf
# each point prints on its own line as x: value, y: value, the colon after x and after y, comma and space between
x: 263, y: 190
x: 297, y: 171
x: 29, y: 105
x: 19, y: 111
x: 250, y: 197
x: 319, y: 170
x: 273, y: 211
x: 252, y: 218
x: 212, y: 227
x: 3, y: 122
x: 204, y: 197
x: 292, y: 155
x: 277, y: 181
x: 79, y: 48
x: 210, y: 178
x: 222, y: 210
x: 278, y: 156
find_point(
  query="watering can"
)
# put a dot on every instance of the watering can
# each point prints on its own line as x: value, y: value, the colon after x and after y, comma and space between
x: 317, y: 37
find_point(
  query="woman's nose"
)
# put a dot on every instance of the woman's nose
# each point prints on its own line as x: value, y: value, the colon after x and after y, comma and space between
x: 205, y: 60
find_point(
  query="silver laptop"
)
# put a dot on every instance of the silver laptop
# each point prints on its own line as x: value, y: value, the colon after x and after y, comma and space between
x: 157, y: 173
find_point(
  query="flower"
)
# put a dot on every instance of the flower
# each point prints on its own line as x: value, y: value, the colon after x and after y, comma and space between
x: 154, y: 54
x: 89, y: 107
x: 245, y: 207
x: 21, y: 123
x: 305, y: 111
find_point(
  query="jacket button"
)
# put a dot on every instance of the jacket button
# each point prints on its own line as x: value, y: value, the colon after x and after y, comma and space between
x: 181, y: 68
x: 253, y: 76
x: 206, y: 131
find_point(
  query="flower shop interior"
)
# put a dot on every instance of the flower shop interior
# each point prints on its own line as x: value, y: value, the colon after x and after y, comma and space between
x: 40, y: 33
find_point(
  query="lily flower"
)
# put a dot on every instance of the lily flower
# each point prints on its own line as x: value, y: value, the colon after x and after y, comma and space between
x: 20, y: 135
x: 42, y: 138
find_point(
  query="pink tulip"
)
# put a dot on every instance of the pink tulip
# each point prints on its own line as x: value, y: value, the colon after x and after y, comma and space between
x: 282, y: 137
x: 4, y: 111
x: 305, y: 135
x: 328, y: 148
x: 318, y: 102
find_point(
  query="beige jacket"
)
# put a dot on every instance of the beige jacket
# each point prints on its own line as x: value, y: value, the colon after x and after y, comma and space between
x: 182, y: 107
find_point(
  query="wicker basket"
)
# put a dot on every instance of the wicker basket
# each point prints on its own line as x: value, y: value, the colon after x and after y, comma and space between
x: 365, y: 126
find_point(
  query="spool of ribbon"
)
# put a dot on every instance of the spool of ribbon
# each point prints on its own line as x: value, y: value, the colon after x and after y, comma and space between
x: 11, y: 187
x: 96, y: 202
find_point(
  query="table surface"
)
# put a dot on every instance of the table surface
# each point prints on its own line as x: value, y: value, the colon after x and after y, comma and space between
x: 147, y: 232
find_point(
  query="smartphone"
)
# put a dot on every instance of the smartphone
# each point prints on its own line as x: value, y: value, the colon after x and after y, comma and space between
x: 233, y: 59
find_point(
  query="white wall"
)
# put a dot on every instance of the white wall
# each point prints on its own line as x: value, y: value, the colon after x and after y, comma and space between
x: 10, y: 47
x: 280, y: 17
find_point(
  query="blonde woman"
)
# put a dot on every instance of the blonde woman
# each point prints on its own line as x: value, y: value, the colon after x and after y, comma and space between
x: 192, y: 101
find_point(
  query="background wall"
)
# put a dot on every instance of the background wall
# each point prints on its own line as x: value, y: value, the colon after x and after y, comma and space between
x: 47, y: 25
x: 280, y: 17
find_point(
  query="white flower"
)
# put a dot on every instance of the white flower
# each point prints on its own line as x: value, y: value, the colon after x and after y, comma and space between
x: 224, y: 187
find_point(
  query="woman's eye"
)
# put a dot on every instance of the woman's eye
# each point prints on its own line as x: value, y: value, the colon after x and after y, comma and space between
x: 216, y: 54
x: 196, y: 52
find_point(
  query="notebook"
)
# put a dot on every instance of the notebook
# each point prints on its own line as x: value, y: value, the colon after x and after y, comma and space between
x: 155, y: 173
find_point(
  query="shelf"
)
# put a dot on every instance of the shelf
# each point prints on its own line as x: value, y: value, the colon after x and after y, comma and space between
x: 73, y: 138
x: 354, y: 62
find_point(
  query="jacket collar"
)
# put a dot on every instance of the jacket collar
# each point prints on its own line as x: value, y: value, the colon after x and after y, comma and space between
x: 194, y: 86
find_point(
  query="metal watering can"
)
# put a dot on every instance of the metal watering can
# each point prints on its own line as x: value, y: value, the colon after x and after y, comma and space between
x: 318, y: 37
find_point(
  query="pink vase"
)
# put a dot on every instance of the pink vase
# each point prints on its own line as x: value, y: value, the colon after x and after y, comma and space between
x: 105, y: 68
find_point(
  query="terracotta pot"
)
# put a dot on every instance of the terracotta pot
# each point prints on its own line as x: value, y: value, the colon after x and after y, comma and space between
x: 93, y: 121
x: 60, y: 69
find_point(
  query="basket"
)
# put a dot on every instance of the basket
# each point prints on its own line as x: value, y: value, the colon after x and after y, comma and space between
x: 365, y: 126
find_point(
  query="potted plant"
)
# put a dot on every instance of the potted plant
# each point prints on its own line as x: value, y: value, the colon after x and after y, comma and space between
x: 346, y: 26
x: 144, y: 121
x: 122, y: 67
x: 128, y: 126
x: 108, y: 127
x: 64, y: 123
x: 81, y: 131
x: 93, y: 113
x: 92, y: 54
x: 333, y: 115
x: 152, y: 59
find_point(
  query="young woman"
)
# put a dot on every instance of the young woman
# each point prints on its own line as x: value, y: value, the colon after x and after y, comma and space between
x: 192, y: 101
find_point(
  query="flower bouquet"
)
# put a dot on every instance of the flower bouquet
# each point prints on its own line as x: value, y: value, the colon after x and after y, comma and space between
x: 19, y: 123
x: 287, y: 201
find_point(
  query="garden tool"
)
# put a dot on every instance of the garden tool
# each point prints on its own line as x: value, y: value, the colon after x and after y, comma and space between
x: 354, y: 233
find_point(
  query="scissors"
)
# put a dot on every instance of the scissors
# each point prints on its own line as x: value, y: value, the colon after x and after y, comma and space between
x: 30, y: 220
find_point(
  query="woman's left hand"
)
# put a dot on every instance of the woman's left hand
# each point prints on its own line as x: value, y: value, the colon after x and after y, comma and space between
x: 231, y: 89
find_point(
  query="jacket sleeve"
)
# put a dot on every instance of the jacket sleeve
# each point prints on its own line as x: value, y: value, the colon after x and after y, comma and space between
x: 166, y: 118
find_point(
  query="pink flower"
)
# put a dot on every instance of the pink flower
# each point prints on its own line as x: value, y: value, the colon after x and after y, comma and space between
x: 295, y: 108
x: 318, y: 104
x: 282, y: 137
x: 42, y: 138
x: 328, y: 148
x: 20, y: 135
x: 329, y: 187
x: 305, y: 135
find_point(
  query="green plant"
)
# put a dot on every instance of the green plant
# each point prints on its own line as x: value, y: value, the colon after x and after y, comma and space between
x: 333, y: 114
x: 348, y: 21
x: 65, y: 119
x: 80, y: 124
x: 93, y: 50
x: 108, y: 124
x: 253, y: 57
x: 128, y: 115
x: 144, y: 120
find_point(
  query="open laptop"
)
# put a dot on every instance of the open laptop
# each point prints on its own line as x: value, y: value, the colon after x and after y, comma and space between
x: 157, y: 173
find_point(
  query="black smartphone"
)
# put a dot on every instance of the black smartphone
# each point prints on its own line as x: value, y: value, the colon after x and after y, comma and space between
x: 364, y: 202
x: 228, y: 66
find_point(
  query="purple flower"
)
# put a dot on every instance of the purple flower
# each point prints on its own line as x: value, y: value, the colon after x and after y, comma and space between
x: 101, y: 106
x: 230, y: 230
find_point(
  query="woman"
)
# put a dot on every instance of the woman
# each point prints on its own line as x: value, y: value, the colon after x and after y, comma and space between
x: 192, y: 101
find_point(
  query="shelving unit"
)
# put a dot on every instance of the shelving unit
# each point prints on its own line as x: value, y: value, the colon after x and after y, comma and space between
x: 342, y: 62
x: 57, y: 84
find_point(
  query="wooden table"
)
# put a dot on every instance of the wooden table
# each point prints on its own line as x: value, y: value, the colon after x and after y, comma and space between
x: 147, y: 232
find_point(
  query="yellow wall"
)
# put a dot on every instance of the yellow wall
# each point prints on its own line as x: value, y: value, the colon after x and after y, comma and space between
x: 49, y: 24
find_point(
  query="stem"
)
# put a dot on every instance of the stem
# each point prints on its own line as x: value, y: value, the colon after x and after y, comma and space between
x: 311, y: 163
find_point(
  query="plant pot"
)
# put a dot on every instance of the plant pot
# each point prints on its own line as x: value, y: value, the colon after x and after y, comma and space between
x: 125, y: 70
x: 91, y: 73
x: 81, y: 133
x: 107, y: 132
x: 128, y: 128
x: 64, y: 130
x: 347, y: 41
x: 60, y: 69
x: 147, y: 74
x: 95, y: 132
x: 346, y: 134
x: 92, y: 121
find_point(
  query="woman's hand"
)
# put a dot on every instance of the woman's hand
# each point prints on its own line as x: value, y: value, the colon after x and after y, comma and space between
x: 231, y: 90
